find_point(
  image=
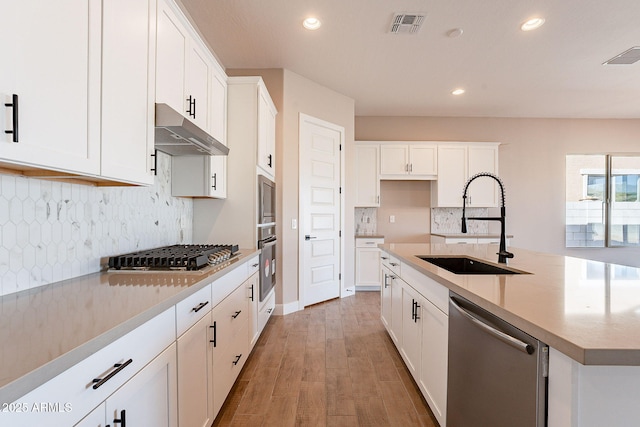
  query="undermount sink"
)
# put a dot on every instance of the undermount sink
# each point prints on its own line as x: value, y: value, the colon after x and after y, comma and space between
x: 465, y: 265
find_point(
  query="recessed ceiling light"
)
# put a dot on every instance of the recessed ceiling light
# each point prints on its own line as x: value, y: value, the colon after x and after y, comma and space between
x: 456, y: 32
x: 458, y: 91
x: 532, y: 24
x: 311, y: 23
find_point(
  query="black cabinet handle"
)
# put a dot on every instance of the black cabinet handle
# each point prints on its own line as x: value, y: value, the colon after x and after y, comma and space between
x: 215, y: 330
x: 236, y: 314
x: 191, y: 109
x: 395, y: 264
x: 123, y: 419
x: 154, y: 169
x: 270, y: 157
x: 416, y: 307
x: 235, y: 362
x: 14, y: 104
x: 119, y: 367
x: 270, y: 310
x: 199, y: 307
x: 252, y: 293
x: 215, y: 181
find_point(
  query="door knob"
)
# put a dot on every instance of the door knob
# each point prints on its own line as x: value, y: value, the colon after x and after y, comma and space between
x: 308, y: 237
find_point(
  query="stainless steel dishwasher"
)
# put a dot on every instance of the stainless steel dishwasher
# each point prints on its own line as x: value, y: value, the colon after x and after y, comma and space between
x: 497, y: 374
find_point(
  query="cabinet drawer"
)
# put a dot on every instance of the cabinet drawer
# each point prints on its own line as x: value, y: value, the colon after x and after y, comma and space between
x: 225, y: 285
x: 266, y: 311
x: 368, y: 243
x: 192, y: 309
x: 429, y: 288
x: 76, y: 387
x: 253, y: 266
x: 391, y: 262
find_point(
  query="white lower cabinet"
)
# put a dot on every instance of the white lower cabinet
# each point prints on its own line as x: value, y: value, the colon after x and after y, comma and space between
x: 433, y: 371
x: 368, y: 276
x: 147, y: 399
x: 195, y: 368
x: 414, y: 310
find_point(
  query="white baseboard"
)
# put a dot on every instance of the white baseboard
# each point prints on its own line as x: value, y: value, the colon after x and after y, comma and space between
x: 284, y: 309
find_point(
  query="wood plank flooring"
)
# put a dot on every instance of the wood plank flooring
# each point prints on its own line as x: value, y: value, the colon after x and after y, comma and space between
x: 332, y: 364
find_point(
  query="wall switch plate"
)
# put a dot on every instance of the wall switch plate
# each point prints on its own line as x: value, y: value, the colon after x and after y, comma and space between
x: 392, y: 218
x: 294, y: 224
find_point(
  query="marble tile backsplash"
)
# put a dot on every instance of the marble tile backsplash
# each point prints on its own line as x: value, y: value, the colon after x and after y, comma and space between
x: 52, y: 231
x: 366, y: 221
x: 449, y: 220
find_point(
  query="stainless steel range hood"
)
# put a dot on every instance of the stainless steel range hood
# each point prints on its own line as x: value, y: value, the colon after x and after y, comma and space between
x: 178, y: 136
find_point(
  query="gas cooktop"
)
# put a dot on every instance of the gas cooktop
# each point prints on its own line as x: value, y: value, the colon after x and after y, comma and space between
x: 175, y: 257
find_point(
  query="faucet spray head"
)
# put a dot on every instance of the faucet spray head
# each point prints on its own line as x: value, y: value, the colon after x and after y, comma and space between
x: 464, y: 219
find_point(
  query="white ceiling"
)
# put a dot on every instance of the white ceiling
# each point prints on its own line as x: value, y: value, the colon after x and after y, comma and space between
x: 555, y: 71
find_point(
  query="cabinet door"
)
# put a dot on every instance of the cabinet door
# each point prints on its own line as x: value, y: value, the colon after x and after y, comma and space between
x: 218, y: 104
x: 149, y: 397
x: 196, y: 96
x: 368, y: 267
x: 452, y: 175
x: 423, y: 159
x: 171, y: 54
x: 367, y: 180
x: 385, y: 298
x: 411, y: 329
x: 195, y: 377
x: 394, y: 160
x: 483, y: 191
x: 433, y: 373
x: 253, y: 290
x: 96, y: 418
x: 266, y: 133
x: 128, y: 69
x: 218, y: 174
x: 51, y: 60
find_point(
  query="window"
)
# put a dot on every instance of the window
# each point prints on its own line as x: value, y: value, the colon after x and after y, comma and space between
x: 602, y: 204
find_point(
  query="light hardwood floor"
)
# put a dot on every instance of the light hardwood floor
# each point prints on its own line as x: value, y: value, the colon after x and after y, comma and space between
x: 332, y: 364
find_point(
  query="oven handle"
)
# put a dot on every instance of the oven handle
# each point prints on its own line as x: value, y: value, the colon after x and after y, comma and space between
x: 266, y: 242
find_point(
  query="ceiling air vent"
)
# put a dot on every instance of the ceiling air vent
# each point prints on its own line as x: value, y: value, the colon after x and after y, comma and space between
x: 627, y: 57
x: 406, y: 23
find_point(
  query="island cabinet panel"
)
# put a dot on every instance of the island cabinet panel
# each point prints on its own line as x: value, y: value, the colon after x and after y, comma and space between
x: 414, y: 310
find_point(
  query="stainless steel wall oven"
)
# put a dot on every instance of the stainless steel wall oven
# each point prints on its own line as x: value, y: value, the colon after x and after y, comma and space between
x: 267, y: 234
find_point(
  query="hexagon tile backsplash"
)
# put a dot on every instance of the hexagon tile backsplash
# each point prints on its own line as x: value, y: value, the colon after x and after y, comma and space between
x: 52, y: 231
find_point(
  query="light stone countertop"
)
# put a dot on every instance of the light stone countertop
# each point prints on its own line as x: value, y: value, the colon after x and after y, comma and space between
x: 471, y: 235
x: 588, y: 310
x: 46, y: 330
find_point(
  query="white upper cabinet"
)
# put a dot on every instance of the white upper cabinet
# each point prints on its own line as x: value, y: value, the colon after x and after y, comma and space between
x: 266, y: 132
x: 199, y: 176
x: 367, y: 181
x: 84, y: 88
x: 415, y: 161
x: 188, y: 78
x: 51, y: 61
x: 456, y: 164
x: 128, y: 71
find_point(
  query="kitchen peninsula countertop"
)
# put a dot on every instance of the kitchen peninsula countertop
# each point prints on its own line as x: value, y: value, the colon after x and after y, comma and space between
x: 472, y: 235
x: 588, y: 310
x: 48, y: 329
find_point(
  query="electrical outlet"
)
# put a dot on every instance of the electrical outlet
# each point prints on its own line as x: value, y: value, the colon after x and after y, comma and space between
x: 392, y: 218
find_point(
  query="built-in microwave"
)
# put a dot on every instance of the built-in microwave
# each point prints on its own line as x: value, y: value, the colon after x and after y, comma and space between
x: 266, y: 201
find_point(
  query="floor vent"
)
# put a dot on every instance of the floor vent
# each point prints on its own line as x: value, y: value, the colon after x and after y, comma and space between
x: 406, y: 23
x: 627, y: 57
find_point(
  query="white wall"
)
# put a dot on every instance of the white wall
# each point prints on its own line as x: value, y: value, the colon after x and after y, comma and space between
x: 532, y: 166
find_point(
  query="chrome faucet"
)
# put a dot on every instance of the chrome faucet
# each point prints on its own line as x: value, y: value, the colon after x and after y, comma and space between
x: 502, y: 254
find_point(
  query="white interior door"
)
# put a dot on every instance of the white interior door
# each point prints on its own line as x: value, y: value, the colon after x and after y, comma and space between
x: 320, y: 209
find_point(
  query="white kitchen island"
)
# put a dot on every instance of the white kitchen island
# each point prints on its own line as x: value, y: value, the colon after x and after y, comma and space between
x: 586, y: 311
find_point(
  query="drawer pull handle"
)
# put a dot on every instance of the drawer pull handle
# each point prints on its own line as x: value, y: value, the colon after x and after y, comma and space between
x: 384, y: 257
x: 123, y: 419
x: 270, y: 310
x: 235, y: 362
x: 215, y: 329
x: 236, y: 314
x: 395, y: 264
x: 255, y: 265
x: 199, y: 306
x: 119, y: 367
x: 14, y: 117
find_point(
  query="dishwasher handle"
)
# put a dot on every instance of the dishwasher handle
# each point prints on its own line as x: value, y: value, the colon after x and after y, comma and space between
x: 508, y: 339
